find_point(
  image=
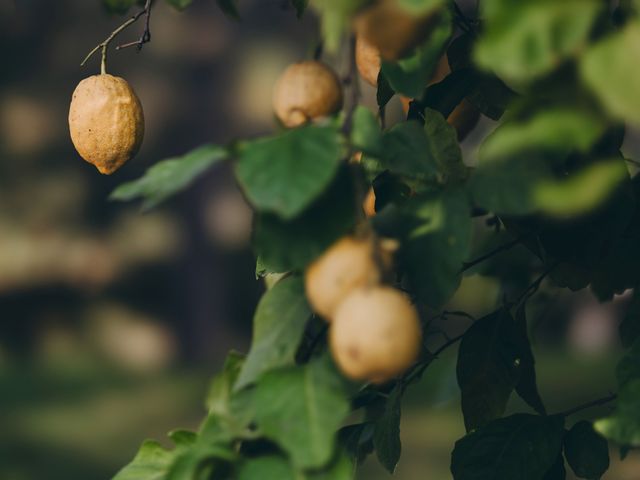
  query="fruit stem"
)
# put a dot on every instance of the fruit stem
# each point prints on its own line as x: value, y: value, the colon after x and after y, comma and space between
x: 146, y: 37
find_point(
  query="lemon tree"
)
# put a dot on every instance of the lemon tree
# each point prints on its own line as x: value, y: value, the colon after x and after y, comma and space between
x: 339, y: 338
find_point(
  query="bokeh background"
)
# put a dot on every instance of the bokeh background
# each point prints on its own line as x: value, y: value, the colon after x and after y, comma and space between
x: 113, y: 321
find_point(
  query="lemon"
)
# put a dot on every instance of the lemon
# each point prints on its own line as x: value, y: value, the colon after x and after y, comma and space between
x: 106, y: 122
x: 375, y: 334
x: 306, y: 91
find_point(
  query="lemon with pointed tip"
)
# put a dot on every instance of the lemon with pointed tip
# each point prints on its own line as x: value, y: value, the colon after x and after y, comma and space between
x: 106, y: 122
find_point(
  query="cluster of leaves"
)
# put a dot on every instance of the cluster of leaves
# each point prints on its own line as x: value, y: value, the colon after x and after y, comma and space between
x: 560, y: 78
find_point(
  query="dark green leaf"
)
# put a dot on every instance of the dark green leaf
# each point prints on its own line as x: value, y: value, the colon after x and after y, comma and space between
x: 436, y: 243
x: 301, y: 408
x: 525, y: 40
x: 277, y: 329
x: 168, y: 177
x: 587, y: 451
x: 630, y: 326
x: 527, y: 386
x: 286, y: 173
x: 357, y: 440
x: 606, y: 69
x: 558, y: 471
x: 386, y: 436
x: 384, y: 92
x: 488, y: 368
x: 283, y: 246
x: 523, y: 447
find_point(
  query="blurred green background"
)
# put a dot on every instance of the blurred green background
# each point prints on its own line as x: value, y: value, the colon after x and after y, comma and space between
x: 112, y: 322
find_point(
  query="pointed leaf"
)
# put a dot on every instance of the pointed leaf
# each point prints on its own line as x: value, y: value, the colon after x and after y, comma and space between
x: 301, y: 408
x: 520, y: 446
x: 168, y: 177
x: 286, y: 173
x: 587, y: 451
x: 278, y: 326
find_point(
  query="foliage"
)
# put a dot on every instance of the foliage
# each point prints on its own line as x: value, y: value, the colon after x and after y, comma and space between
x: 561, y: 78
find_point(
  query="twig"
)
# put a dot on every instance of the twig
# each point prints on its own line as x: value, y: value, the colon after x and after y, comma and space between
x: 146, y: 37
x: 593, y: 403
x: 533, y: 288
x: 146, y: 34
x: 419, y: 369
x: 507, y: 246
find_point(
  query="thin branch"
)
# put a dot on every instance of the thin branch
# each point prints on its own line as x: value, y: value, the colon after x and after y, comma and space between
x: 502, y: 248
x: 535, y: 286
x: 419, y: 369
x: 593, y: 403
x: 146, y: 37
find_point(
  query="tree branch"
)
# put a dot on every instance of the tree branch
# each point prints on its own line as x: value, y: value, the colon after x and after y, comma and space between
x: 502, y: 248
x: 593, y: 403
x: 146, y: 37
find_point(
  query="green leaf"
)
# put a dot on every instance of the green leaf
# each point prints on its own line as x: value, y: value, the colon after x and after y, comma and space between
x: 278, y: 326
x: 180, y: 4
x: 527, y: 386
x: 340, y: 468
x: 365, y: 132
x: 444, y: 147
x: 301, y: 408
x: 630, y: 326
x: 386, y: 435
x: 623, y: 426
x: 357, y: 440
x: 558, y: 471
x: 581, y: 192
x: 152, y: 462
x: 586, y: 450
x: 335, y: 19
x: 219, y: 396
x: 229, y: 8
x: 606, y: 69
x: 283, y: 246
x: 407, y: 150
x: 284, y: 174
x: 384, y: 93
x: 300, y: 6
x: 168, y: 177
x: 410, y: 75
x: 436, y: 242
x: 266, y: 468
x: 488, y: 368
x: 523, y: 41
x: 556, y: 131
x: 520, y: 446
